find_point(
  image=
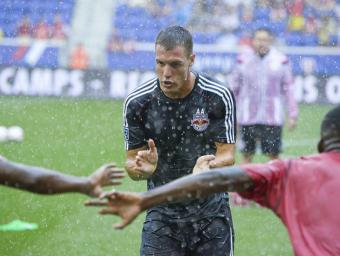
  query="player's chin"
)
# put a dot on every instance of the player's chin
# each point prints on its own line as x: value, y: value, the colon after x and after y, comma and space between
x: 167, y: 86
x: 169, y: 90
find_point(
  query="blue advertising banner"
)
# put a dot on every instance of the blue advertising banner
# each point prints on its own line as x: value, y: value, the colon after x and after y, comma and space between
x: 209, y: 58
x: 117, y: 84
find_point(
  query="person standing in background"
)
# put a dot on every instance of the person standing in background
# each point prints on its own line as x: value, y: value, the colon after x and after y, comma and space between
x: 263, y: 86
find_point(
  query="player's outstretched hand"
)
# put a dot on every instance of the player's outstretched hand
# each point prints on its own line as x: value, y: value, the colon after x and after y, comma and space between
x: 203, y: 164
x: 106, y: 175
x: 124, y: 204
x: 146, y: 160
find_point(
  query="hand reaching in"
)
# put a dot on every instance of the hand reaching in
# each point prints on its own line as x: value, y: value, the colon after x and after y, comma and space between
x: 106, y: 175
x: 124, y: 204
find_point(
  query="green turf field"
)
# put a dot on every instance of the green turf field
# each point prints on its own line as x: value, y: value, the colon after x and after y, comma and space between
x: 78, y: 136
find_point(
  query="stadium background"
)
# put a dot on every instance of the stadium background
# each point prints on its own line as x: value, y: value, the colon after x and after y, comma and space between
x: 72, y: 115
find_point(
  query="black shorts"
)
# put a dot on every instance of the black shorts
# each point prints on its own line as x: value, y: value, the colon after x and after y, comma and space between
x: 205, y: 237
x: 268, y: 136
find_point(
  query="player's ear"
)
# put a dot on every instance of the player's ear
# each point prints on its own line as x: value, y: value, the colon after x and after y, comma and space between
x: 192, y: 59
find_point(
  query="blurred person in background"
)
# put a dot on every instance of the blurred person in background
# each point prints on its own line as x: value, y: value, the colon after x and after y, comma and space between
x: 41, y: 30
x: 24, y: 28
x: 79, y: 58
x: 59, y: 29
x: 262, y: 82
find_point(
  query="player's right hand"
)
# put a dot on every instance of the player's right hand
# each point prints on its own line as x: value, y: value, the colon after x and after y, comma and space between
x: 124, y: 204
x: 146, y: 160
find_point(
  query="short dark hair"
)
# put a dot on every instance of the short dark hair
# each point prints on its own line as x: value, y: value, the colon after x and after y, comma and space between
x: 174, y: 36
x: 331, y: 122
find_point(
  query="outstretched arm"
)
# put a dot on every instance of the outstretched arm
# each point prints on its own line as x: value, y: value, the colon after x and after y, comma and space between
x: 129, y: 205
x: 44, y: 181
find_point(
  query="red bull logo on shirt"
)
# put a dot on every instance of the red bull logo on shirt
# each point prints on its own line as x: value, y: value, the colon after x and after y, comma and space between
x: 200, y: 120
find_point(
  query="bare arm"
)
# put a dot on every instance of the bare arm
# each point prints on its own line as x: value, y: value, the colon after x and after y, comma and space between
x: 225, y: 155
x: 142, y: 162
x: 197, y: 186
x: 45, y: 181
x: 129, y: 205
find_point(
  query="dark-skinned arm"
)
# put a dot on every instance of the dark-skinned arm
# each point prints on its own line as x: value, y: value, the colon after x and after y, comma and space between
x: 198, y: 186
x: 128, y: 205
x: 44, y: 181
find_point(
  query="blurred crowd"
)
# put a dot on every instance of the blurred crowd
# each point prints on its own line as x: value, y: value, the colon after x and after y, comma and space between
x: 231, y: 22
x: 42, y: 29
x: 35, y: 19
x: 294, y: 22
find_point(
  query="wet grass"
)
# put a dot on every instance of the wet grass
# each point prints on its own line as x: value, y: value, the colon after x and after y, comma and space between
x: 78, y: 136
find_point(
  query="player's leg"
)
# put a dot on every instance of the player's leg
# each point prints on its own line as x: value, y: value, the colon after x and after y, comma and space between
x: 248, y: 141
x: 159, y: 239
x: 271, y: 141
x: 217, y: 238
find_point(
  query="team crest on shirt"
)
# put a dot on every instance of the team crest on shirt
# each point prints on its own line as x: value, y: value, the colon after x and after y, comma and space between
x: 200, y: 120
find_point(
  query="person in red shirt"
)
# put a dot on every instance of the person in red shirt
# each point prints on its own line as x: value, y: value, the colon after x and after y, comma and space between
x: 24, y: 28
x: 58, y: 28
x: 302, y: 192
x: 41, y: 30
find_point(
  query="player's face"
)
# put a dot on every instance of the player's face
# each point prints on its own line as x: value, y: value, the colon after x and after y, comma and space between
x: 261, y: 42
x: 173, y: 70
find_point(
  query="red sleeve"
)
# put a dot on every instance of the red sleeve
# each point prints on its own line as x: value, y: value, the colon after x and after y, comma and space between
x: 269, y: 180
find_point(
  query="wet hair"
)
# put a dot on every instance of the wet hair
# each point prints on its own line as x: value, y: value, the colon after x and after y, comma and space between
x: 263, y: 29
x: 174, y: 36
x: 331, y: 122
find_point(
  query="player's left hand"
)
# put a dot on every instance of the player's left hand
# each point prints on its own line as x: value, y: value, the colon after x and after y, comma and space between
x: 203, y: 163
x: 291, y: 124
x: 124, y: 204
x: 106, y: 175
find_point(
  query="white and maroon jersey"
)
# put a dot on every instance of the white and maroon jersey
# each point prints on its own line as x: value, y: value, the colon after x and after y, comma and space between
x: 263, y: 88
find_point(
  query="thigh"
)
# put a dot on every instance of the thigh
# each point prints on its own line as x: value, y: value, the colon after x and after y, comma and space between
x: 159, y: 239
x: 248, y: 137
x: 271, y: 140
x: 217, y: 238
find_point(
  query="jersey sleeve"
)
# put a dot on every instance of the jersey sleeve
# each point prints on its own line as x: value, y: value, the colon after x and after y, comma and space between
x: 134, y: 134
x: 269, y: 183
x: 224, y: 126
